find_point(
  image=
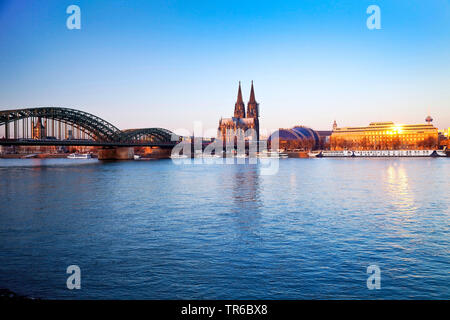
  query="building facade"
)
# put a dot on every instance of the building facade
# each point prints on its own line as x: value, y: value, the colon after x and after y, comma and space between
x: 385, y: 136
x: 445, y: 133
x: 297, y: 138
x: 236, y: 127
x: 444, y: 138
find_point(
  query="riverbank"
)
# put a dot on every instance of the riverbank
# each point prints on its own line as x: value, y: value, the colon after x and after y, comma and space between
x: 297, y: 154
x: 34, y: 155
x: 8, y: 295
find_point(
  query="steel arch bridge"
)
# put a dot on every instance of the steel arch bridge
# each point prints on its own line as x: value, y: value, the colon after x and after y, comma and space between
x: 148, y: 134
x: 94, y: 130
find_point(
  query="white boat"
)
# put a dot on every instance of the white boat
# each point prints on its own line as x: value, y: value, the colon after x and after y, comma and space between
x: 178, y: 156
x: 30, y: 156
x: 79, y: 156
x: 337, y: 153
x: 394, y: 153
x: 207, y: 155
x: 380, y: 153
x: 314, y: 154
x: 268, y: 154
x: 241, y: 155
x: 272, y: 155
x: 136, y: 157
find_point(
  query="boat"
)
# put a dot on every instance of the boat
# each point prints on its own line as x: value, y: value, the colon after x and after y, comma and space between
x: 33, y: 155
x: 315, y: 154
x: 178, y: 156
x: 441, y: 153
x: 394, y: 153
x: 79, y: 156
x: 379, y: 153
x: 207, y: 155
x: 212, y: 156
x: 336, y: 153
x: 268, y: 155
x: 136, y: 157
x: 241, y: 155
x: 272, y: 155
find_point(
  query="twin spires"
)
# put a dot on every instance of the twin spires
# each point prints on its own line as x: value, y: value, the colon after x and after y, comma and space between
x: 252, y: 106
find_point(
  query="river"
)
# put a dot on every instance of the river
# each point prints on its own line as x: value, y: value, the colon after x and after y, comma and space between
x: 156, y: 230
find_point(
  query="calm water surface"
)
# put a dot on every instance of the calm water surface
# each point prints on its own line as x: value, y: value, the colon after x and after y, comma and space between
x: 155, y: 230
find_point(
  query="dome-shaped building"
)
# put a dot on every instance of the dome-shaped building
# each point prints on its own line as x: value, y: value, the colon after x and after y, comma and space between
x: 298, y: 137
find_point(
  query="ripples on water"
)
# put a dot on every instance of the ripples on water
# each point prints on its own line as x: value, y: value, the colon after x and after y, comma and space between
x: 154, y: 230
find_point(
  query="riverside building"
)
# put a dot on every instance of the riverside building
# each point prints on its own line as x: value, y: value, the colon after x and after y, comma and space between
x: 385, y: 136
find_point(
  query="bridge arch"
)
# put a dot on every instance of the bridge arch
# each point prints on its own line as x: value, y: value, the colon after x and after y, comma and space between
x: 157, y: 135
x: 95, y: 127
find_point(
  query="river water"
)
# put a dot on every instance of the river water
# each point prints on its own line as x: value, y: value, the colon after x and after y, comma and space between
x: 156, y: 230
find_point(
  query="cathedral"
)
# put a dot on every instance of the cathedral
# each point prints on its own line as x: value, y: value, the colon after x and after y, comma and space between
x: 38, y: 131
x: 235, y: 127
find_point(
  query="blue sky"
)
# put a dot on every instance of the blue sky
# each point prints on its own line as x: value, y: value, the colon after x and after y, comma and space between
x: 170, y: 63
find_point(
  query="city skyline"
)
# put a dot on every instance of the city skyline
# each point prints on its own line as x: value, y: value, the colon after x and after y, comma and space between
x: 179, y: 62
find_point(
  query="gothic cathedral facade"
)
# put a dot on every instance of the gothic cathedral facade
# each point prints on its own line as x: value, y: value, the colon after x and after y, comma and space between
x: 237, y: 127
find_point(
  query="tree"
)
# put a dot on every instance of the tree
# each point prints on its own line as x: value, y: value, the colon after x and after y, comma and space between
x: 396, y: 143
x: 429, y: 143
x: 364, y: 143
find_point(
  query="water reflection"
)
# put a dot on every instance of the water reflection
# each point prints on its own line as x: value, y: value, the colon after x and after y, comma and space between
x: 247, y: 204
x: 246, y: 193
x: 398, y: 189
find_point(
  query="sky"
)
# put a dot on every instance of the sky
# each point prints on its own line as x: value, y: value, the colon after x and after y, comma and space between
x: 171, y: 63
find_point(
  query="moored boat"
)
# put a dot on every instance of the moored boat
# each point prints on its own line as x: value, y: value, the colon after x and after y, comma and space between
x: 272, y: 154
x: 394, y: 153
x: 315, y: 154
x: 241, y: 155
x: 441, y: 153
x: 178, y: 156
x: 337, y: 153
x: 79, y: 156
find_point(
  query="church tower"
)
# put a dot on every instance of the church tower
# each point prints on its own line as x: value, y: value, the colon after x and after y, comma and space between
x: 252, y: 106
x: 239, y: 107
x: 334, y: 125
x: 38, y: 129
x: 253, y: 111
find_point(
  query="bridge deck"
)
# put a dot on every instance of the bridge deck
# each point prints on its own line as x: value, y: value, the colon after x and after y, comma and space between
x: 20, y: 142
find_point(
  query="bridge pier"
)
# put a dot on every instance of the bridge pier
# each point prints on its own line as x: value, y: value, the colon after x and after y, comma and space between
x: 153, y: 152
x: 115, y: 153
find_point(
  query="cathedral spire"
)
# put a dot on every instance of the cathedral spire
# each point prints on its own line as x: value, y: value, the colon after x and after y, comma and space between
x: 239, y: 97
x: 239, y: 107
x: 252, y: 106
x: 252, y: 95
x: 253, y: 112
